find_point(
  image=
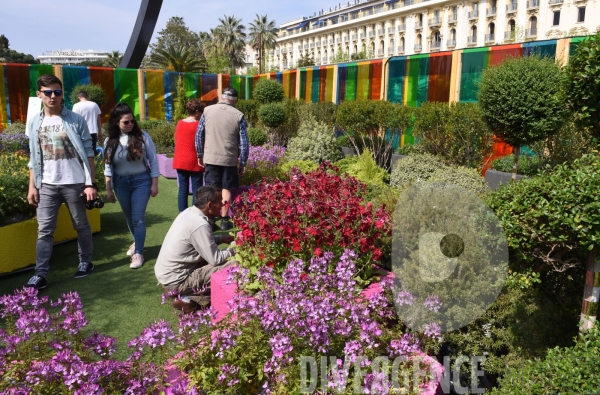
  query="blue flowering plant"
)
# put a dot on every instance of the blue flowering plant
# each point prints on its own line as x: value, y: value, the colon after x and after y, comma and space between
x: 310, y: 311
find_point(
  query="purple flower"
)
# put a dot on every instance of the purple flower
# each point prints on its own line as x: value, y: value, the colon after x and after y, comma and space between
x: 406, y: 346
x: 229, y: 372
x: 267, y: 155
x: 102, y: 345
x: 404, y: 298
x: 433, y: 330
x: 433, y: 303
x: 156, y: 335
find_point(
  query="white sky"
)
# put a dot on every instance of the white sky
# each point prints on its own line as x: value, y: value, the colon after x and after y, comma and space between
x: 36, y: 26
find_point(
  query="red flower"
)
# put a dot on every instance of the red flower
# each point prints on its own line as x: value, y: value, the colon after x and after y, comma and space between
x: 318, y: 252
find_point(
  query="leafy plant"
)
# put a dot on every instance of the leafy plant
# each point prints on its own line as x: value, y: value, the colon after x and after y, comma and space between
x: 257, y: 137
x: 563, y: 370
x: 95, y: 93
x: 304, y: 166
x: 522, y: 100
x: 180, y: 100
x: 163, y: 136
x: 528, y: 165
x: 343, y: 141
x: 250, y: 110
x: 583, y: 84
x: 13, y: 143
x: 263, y: 163
x: 414, y: 168
x: 272, y: 115
x: 464, y: 177
x: 15, y: 128
x: 272, y: 233
x: 322, y: 111
x: 456, y: 133
x: 315, y: 142
x: 268, y: 91
x: 14, y: 184
x: 364, y: 169
x: 364, y: 122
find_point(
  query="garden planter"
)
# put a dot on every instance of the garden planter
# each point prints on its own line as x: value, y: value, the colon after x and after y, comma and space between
x: 165, y: 166
x: 495, y: 179
x: 394, y: 159
x: 348, y: 151
x: 18, y: 240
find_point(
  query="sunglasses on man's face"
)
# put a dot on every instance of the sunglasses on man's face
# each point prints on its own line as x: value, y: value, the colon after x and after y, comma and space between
x: 128, y: 122
x: 48, y: 92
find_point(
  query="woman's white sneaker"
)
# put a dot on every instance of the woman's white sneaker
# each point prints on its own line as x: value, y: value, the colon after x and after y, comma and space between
x: 137, y: 260
x: 131, y: 250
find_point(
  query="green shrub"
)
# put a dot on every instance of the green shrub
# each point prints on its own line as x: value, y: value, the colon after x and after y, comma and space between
x: 144, y: 125
x: 470, y: 179
x: 257, y: 137
x: 409, y: 149
x: 272, y: 115
x: 344, y: 164
x: 413, y: 168
x: 282, y: 134
x: 268, y: 91
x: 94, y: 91
x: 528, y: 165
x: 323, y: 111
x: 365, y: 170
x: 163, y: 136
x: 456, y: 133
x: 571, y: 370
x: 14, y: 185
x: 305, y: 166
x: 343, y: 141
x: 15, y: 128
x: 315, y: 142
x: 250, y: 110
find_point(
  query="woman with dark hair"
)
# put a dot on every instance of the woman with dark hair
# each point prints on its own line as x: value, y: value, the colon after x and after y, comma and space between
x: 131, y: 170
x: 185, y: 160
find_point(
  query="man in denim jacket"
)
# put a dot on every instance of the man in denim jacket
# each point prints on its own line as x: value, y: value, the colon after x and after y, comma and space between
x: 61, y: 170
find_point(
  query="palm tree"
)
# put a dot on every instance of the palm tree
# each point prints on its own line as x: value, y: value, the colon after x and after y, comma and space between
x: 114, y: 59
x: 231, y: 36
x: 177, y: 58
x: 266, y: 30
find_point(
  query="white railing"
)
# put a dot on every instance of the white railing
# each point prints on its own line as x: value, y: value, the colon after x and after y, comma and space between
x: 391, y: 30
x: 418, y: 24
x: 380, y: 32
x: 531, y: 32
x: 418, y: 47
x: 512, y: 7
x: 402, y: 28
x: 533, y: 4
x: 401, y: 49
x: 452, y: 18
x: 489, y: 38
x: 491, y: 11
x: 473, y: 14
x: 451, y: 43
x: 435, y: 21
x: 435, y: 45
x: 471, y: 40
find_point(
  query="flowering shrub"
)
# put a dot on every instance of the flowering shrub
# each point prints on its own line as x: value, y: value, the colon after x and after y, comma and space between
x: 14, y: 143
x: 14, y: 184
x: 311, y: 213
x: 42, y: 352
x: 311, y: 312
x: 262, y: 163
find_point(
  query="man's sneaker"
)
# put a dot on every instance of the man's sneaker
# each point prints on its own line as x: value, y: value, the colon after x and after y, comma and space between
x: 37, y: 282
x: 85, y: 268
x: 226, y: 224
x: 137, y: 260
x: 186, y: 305
x: 131, y: 250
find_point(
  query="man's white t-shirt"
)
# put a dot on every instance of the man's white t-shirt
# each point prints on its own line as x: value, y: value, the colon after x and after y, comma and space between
x: 89, y: 111
x: 60, y: 164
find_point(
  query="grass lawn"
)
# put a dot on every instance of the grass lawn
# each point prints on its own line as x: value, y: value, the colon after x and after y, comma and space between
x: 117, y: 300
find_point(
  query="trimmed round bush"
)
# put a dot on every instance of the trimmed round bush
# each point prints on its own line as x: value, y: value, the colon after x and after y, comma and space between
x: 268, y: 91
x: 413, y: 168
x: 94, y: 91
x: 464, y: 177
x: 257, y: 137
x: 528, y: 165
x: 272, y: 115
x: 315, y: 142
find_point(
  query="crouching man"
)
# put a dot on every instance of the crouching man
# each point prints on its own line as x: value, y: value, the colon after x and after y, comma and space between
x: 190, y: 253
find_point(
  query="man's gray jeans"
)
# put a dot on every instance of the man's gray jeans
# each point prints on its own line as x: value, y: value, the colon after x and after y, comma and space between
x: 51, y: 198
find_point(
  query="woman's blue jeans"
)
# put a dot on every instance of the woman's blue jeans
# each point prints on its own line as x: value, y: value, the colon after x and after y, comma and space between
x: 183, y: 179
x: 133, y: 193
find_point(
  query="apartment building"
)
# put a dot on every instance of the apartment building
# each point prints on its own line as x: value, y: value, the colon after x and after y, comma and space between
x: 383, y: 28
x: 71, y: 57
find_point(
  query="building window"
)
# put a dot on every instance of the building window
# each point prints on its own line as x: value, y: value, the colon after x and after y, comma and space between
x: 581, y: 14
x: 556, y: 18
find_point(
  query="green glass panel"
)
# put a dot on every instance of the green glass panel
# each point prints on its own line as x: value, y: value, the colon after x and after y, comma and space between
x: 474, y: 61
x: 396, y: 79
x: 126, y: 89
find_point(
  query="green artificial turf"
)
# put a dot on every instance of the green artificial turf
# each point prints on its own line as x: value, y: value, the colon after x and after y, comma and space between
x: 117, y: 301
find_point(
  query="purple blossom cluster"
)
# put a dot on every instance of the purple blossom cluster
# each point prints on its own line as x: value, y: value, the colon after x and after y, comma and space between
x: 433, y: 303
x: 268, y: 155
x: 14, y: 142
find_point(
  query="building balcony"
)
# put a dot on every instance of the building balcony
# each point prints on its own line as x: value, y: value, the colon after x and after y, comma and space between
x: 471, y: 40
x: 452, y: 18
x: 380, y: 32
x: 400, y: 49
x: 363, y: 36
x: 354, y: 37
x: 390, y: 51
x: 278, y: 52
x: 331, y: 41
x: 451, y: 43
x: 510, y: 35
x: 284, y: 51
x: 330, y: 59
x: 491, y: 11
x: 311, y: 45
x: 418, y: 47
x: 435, y: 46
x: 371, y: 34
x: 380, y: 52
x: 346, y: 39
x: 533, y: 4
x: 435, y: 22
x: 391, y: 30
x: 530, y: 33
x: 555, y: 1
x: 305, y: 46
x: 418, y: 24
x: 512, y: 7
x: 490, y: 38
x: 338, y: 40
x: 473, y: 14
x: 402, y: 28
x: 408, y: 2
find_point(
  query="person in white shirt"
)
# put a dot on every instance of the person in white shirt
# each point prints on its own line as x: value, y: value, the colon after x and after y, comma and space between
x: 92, y: 115
x: 190, y: 253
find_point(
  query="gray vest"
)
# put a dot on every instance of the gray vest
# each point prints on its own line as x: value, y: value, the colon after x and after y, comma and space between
x: 222, y: 134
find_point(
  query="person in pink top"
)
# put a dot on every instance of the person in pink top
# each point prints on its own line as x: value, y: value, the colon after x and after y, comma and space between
x: 185, y: 160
